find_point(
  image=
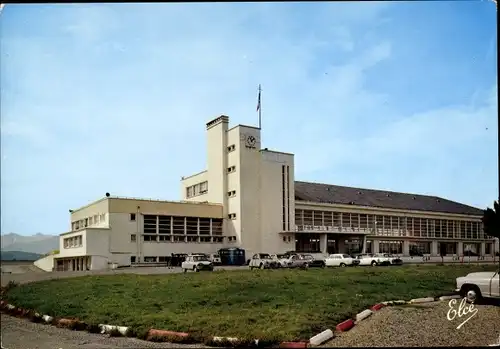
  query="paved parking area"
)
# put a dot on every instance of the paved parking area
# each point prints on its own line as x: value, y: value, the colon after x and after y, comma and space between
x: 422, y: 326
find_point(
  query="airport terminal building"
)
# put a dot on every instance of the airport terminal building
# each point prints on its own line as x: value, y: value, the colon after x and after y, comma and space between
x: 247, y: 197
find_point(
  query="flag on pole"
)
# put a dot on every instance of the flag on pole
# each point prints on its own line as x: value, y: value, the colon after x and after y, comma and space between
x: 258, y: 101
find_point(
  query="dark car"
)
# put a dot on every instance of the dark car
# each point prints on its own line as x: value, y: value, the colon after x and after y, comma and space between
x: 313, y: 262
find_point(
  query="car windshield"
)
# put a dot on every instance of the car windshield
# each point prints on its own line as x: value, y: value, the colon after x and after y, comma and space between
x: 346, y: 256
x: 265, y: 256
x: 281, y: 256
x: 200, y: 259
x: 308, y: 256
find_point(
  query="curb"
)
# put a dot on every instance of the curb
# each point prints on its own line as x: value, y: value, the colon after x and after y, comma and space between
x: 107, y: 329
x: 321, y: 337
x: 422, y: 300
x: 445, y: 298
x: 164, y: 334
x: 363, y: 315
x: 345, y: 325
x: 377, y: 307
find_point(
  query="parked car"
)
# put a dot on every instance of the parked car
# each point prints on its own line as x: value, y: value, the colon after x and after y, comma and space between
x: 314, y: 262
x: 215, y: 258
x: 340, y: 260
x: 395, y: 260
x: 475, y: 286
x: 281, y: 259
x: 263, y: 261
x: 378, y: 259
x: 197, y: 263
x: 296, y: 261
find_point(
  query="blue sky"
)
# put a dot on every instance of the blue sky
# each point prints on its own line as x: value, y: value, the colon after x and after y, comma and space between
x: 102, y: 98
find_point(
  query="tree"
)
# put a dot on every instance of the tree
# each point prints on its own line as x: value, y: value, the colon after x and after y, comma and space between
x: 491, y: 221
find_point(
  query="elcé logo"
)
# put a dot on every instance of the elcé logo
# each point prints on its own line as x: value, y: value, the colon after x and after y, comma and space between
x: 463, y: 310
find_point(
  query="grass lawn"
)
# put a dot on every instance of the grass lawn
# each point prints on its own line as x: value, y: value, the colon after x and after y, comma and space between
x: 265, y: 304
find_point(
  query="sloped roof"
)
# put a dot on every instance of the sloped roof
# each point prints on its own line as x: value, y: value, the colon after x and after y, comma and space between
x: 335, y: 194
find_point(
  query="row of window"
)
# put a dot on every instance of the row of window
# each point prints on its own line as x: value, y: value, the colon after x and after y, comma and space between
x: 74, y: 241
x: 389, y: 225
x: 88, y: 222
x: 178, y: 238
x: 197, y: 189
x: 175, y: 225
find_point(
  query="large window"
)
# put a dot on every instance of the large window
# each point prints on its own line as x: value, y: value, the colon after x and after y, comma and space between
x: 393, y: 247
x: 449, y: 247
x: 149, y: 224
x: 419, y: 248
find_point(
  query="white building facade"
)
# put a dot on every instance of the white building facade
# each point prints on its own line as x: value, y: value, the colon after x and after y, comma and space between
x: 247, y: 197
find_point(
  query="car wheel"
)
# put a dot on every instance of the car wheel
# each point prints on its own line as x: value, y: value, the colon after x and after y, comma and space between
x: 342, y: 265
x: 262, y: 266
x: 471, y: 293
x: 195, y: 269
x: 323, y: 265
x: 374, y: 264
x: 185, y: 270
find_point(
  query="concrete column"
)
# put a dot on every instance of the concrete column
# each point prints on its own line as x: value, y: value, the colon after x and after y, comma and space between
x: 483, y: 248
x: 434, y: 249
x: 323, y: 240
x: 406, y: 248
x: 341, y: 245
x: 363, y: 249
x: 460, y: 248
x: 375, y: 246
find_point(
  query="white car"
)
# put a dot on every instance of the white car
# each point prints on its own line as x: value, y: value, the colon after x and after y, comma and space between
x: 378, y: 259
x: 475, y: 286
x: 215, y: 258
x: 197, y: 263
x: 340, y: 260
x: 263, y: 261
x: 281, y: 259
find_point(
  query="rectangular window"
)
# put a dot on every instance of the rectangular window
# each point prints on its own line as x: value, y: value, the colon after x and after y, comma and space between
x: 132, y: 259
x: 205, y: 239
x: 231, y: 169
x: 218, y: 239
x: 232, y: 216
x: 231, y: 148
x: 164, y: 238
x: 191, y: 225
x: 231, y: 193
x: 132, y: 238
x: 132, y: 216
x: 203, y: 187
x: 149, y: 238
x: 192, y: 239
x: 204, y: 226
x: 217, y: 226
x: 164, y: 224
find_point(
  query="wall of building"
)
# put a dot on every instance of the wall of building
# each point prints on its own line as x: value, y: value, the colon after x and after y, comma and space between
x: 193, y: 180
x: 273, y: 200
x: 46, y: 263
x: 93, y: 213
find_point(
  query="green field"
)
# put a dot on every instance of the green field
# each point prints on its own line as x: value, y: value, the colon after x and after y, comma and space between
x: 264, y: 304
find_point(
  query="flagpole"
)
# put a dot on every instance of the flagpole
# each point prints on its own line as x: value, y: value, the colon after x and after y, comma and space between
x: 260, y: 108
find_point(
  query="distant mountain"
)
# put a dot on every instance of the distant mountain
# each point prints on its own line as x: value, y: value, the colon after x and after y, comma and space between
x: 19, y: 256
x: 38, y: 243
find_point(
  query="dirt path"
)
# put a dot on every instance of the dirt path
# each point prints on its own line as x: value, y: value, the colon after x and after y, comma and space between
x: 422, y: 326
x: 23, y: 334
